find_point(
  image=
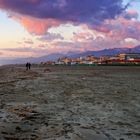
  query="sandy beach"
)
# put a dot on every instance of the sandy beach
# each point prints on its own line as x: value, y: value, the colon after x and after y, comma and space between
x: 70, y: 103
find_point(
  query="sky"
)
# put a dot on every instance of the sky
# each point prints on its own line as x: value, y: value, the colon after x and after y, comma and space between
x: 33, y: 28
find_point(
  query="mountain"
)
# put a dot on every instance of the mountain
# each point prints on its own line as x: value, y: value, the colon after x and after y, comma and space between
x: 52, y: 57
x: 71, y: 54
x: 109, y: 52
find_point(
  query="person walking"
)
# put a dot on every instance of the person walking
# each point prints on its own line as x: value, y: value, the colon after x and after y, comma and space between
x: 27, y: 65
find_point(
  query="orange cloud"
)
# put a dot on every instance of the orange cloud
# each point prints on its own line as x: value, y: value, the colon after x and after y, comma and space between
x: 37, y: 26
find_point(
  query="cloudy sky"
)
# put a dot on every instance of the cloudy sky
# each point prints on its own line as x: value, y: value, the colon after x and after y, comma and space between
x: 30, y: 28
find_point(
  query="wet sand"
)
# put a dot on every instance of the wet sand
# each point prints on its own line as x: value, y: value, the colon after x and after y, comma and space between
x: 70, y: 103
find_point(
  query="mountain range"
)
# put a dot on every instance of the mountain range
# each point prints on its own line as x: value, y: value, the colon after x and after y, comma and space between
x: 55, y: 56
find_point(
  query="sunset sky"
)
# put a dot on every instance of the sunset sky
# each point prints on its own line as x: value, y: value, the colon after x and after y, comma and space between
x: 32, y: 28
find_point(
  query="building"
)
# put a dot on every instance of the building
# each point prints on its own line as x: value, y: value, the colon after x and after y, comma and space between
x: 91, y: 59
x: 129, y: 56
x: 64, y: 60
x: 47, y: 63
x: 125, y: 58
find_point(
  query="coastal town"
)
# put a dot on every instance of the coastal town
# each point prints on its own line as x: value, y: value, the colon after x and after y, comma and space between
x: 123, y: 58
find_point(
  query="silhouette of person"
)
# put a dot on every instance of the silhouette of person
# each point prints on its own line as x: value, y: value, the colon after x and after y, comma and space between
x: 27, y: 65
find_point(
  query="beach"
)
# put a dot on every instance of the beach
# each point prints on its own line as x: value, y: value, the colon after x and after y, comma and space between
x: 70, y: 103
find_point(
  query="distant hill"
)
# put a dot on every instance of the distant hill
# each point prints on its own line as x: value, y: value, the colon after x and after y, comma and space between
x: 109, y: 52
x: 71, y: 54
x: 51, y: 57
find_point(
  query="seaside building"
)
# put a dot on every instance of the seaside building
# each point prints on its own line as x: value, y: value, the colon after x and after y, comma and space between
x: 124, y: 58
x: 129, y: 56
x: 64, y: 60
x: 48, y: 63
x: 91, y: 59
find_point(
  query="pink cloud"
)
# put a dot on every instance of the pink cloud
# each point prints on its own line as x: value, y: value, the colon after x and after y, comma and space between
x: 112, y: 34
x: 35, y: 25
x: 83, y: 36
x: 130, y: 14
x: 120, y: 28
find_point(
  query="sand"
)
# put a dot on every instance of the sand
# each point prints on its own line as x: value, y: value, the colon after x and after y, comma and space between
x: 70, y: 103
